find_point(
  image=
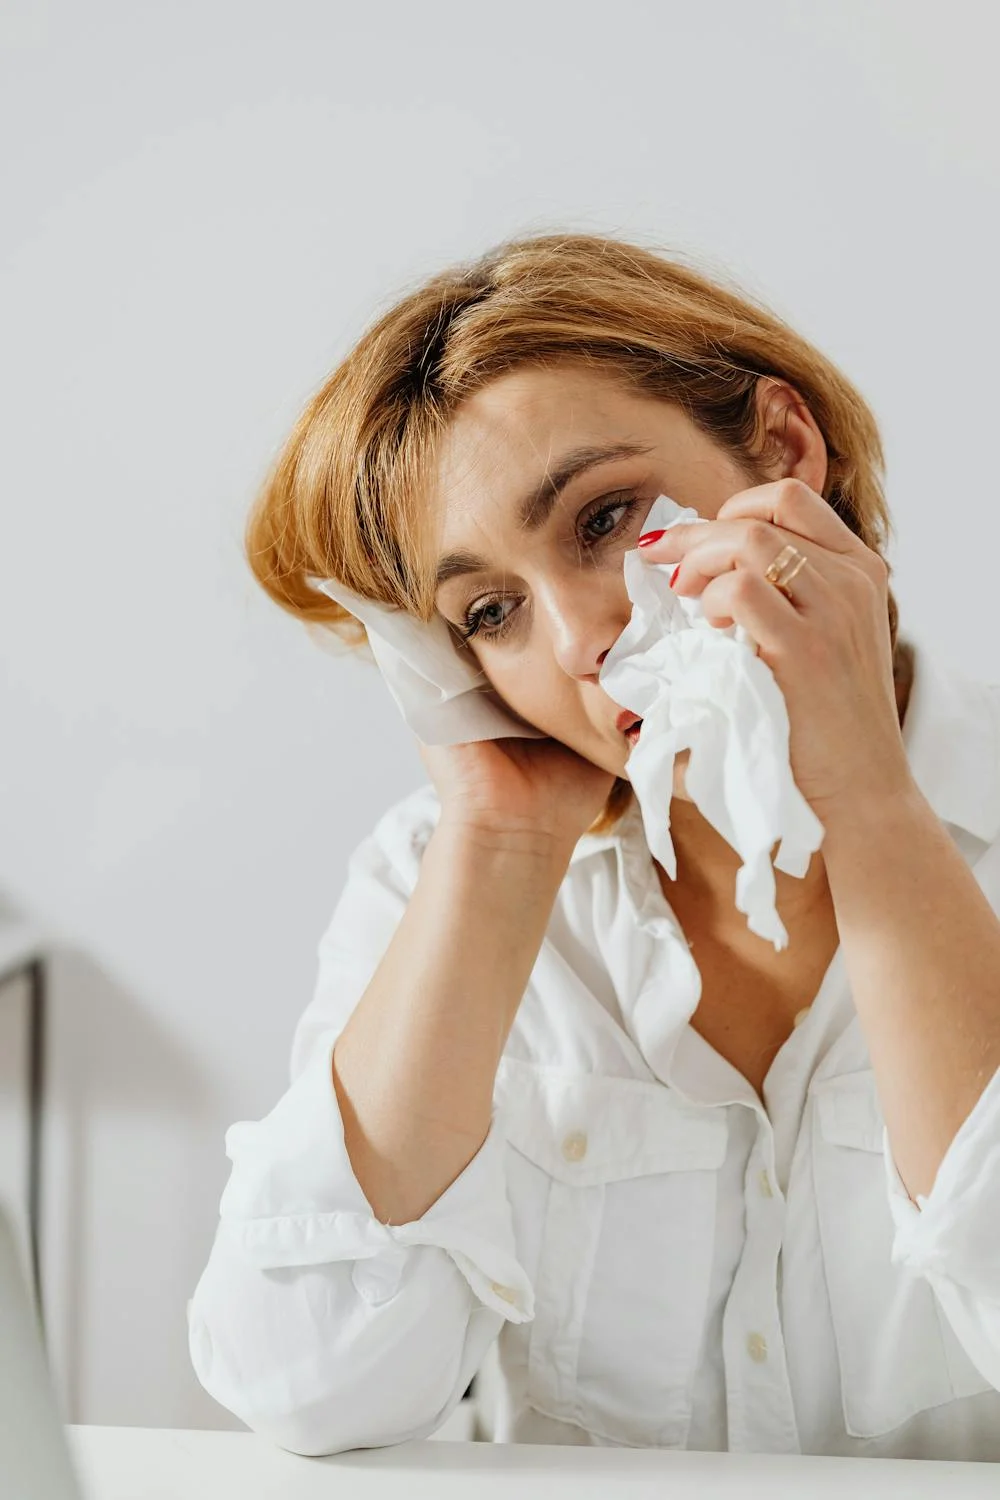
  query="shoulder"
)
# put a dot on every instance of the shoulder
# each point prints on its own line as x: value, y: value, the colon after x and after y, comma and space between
x: 951, y: 731
x: 382, y: 872
x: 400, y: 836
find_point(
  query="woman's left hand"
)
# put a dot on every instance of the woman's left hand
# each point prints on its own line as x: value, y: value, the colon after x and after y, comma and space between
x: 829, y: 650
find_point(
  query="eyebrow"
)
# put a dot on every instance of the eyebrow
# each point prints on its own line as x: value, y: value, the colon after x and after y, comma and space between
x: 536, y: 506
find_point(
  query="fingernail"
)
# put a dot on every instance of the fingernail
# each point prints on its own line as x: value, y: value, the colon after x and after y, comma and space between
x: 674, y: 574
x: 651, y: 536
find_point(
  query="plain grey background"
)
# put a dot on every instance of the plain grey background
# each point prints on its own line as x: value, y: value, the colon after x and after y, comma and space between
x: 203, y: 206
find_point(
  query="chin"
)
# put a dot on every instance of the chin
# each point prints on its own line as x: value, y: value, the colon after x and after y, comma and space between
x: 679, y: 788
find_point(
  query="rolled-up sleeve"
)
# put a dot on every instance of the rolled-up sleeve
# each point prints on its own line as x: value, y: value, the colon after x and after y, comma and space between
x: 313, y: 1322
x: 952, y: 1235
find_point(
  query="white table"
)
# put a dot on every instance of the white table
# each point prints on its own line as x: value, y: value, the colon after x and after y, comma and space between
x: 134, y: 1463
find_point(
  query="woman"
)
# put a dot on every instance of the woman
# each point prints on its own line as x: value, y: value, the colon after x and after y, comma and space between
x: 752, y: 1214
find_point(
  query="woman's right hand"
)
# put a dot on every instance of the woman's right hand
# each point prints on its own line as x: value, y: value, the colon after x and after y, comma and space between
x: 518, y: 791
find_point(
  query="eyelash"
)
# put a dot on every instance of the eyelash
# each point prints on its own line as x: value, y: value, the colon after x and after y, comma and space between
x: 473, y: 619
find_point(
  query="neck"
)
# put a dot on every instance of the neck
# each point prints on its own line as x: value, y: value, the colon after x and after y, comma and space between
x: 707, y: 867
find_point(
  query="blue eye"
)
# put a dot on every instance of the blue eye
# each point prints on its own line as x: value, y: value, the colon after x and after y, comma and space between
x: 473, y: 623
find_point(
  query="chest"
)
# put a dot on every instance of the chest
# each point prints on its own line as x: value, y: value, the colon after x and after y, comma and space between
x: 681, y: 1300
x: 752, y: 997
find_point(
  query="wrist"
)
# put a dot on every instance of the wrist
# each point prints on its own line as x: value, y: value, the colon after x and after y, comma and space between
x: 850, y: 824
x: 484, y: 839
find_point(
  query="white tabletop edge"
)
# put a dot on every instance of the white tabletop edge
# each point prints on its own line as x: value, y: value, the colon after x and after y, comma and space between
x: 131, y: 1463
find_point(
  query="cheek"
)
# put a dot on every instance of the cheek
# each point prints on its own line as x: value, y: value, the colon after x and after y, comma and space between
x: 546, y: 699
x: 514, y: 687
x: 524, y: 683
x: 519, y: 691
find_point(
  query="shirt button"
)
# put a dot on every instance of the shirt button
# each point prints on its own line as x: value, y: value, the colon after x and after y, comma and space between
x: 506, y: 1292
x: 757, y: 1347
x: 765, y: 1184
x: 574, y: 1147
x: 800, y: 1016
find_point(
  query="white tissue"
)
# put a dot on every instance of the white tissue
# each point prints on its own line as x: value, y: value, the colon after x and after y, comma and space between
x: 703, y: 687
x: 444, y: 697
x: 697, y: 686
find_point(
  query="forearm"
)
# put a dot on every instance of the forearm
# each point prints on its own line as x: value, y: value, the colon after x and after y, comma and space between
x: 415, y: 1066
x: 922, y: 951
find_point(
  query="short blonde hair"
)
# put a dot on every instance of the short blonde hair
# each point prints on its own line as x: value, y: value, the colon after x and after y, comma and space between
x: 347, y: 496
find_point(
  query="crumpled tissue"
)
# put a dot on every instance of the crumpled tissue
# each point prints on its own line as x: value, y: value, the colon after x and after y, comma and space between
x: 704, y: 688
x: 697, y: 687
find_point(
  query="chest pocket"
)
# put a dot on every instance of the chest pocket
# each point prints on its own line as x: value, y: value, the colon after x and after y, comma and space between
x: 622, y: 1284
x: 898, y: 1353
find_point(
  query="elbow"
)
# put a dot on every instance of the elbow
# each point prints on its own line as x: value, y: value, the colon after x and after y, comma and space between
x: 319, y: 1372
x: 332, y: 1421
x: 265, y: 1400
x: 311, y: 1432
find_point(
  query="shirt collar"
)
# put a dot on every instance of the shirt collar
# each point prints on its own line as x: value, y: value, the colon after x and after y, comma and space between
x: 951, y: 733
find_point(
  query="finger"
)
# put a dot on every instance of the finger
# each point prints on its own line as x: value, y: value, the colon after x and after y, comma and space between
x: 749, y: 546
x: 792, y: 505
x: 744, y: 598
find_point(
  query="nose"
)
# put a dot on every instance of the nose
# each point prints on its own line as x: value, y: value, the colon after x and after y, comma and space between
x: 585, y: 618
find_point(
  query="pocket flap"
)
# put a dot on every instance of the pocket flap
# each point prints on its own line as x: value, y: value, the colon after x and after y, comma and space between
x: 849, y: 1111
x: 590, y: 1128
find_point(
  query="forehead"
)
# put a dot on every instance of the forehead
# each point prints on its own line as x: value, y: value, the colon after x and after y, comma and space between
x: 506, y: 436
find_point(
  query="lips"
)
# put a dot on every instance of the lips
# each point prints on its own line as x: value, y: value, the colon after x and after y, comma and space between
x: 626, y: 719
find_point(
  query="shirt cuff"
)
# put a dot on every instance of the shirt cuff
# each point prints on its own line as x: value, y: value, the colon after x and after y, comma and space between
x: 952, y: 1230
x: 293, y: 1199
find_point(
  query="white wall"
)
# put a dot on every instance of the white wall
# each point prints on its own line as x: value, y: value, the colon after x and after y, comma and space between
x: 203, y: 205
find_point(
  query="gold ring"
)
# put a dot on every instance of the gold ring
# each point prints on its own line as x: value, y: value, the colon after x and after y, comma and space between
x: 783, y: 569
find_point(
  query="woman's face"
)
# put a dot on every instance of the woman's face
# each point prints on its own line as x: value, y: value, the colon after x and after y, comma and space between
x: 544, y: 596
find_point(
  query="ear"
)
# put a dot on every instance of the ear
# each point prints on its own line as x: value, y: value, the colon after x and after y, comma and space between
x: 793, y: 447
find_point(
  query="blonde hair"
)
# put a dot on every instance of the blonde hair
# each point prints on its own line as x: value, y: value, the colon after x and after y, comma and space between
x: 347, y: 496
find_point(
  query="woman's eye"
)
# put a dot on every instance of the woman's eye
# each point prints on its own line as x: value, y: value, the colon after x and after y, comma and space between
x: 476, y: 621
x: 627, y: 504
x: 497, y: 620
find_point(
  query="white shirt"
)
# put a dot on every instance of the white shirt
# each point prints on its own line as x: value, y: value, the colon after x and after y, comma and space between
x: 658, y: 1257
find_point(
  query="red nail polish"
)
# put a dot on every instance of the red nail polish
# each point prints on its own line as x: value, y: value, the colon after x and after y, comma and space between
x: 674, y: 574
x: 651, y: 536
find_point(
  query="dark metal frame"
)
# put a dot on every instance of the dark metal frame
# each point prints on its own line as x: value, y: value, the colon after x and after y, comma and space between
x: 36, y: 1086
x: 33, y: 969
